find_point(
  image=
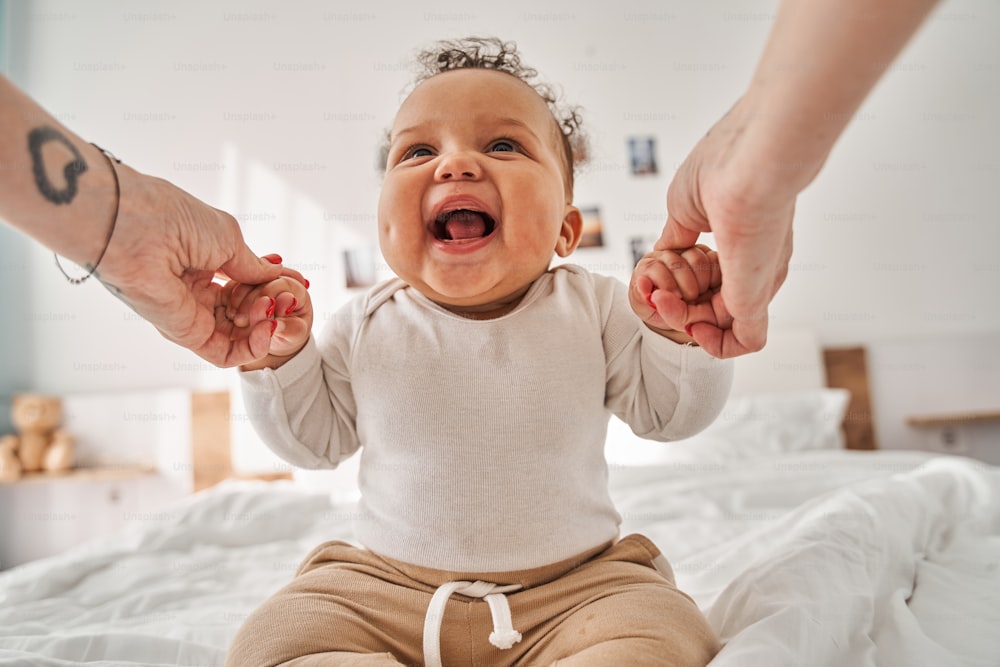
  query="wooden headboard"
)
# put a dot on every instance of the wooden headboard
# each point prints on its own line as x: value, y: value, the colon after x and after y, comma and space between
x: 794, y: 360
x: 847, y: 368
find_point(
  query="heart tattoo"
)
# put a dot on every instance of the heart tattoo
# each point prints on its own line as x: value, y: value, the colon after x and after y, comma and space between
x: 38, y: 138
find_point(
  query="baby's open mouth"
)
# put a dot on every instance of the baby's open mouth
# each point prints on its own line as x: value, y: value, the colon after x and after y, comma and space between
x: 462, y: 225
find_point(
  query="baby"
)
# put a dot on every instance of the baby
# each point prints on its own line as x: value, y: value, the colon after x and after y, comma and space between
x: 478, y: 386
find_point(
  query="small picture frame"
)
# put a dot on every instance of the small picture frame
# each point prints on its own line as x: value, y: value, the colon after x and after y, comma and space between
x: 642, y: 156
x: 592, y: 233
x: 640, y: 247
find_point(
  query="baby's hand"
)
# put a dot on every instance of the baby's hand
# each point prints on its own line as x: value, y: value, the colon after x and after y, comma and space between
x: 285, y: 303
x: 673, y: 290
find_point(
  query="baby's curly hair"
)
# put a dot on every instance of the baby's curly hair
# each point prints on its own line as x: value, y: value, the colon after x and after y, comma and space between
x: 496, y: 54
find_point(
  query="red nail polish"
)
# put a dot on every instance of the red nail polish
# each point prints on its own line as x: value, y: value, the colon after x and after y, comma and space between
x: 270, y: 310
x: 687, y: 329
x: 274, y: 259
x: 274, y: 325
x: 307, y: 283
x: 295, y: 304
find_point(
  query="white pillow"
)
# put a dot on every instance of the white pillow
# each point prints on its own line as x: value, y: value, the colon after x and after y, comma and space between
x: 748, y: 427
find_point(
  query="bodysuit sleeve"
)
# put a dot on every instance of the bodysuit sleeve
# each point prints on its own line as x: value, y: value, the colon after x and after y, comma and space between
x: 304, y: 411
x: 663, y: 390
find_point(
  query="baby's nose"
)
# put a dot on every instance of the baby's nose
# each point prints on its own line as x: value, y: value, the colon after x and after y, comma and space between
x: 458, y: 165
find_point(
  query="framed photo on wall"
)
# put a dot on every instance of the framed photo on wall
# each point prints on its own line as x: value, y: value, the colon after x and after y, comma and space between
x: 592, y: 235
x: 642, y: 156
x: 640, y: 247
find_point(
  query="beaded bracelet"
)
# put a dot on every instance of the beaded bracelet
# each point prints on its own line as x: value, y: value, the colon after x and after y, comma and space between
x: 110, y: 157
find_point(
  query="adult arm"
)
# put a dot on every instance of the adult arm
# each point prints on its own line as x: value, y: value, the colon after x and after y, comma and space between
x: 166, y: 245
x: 821, y: 60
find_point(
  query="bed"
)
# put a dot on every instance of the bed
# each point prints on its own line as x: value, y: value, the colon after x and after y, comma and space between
x: 803, y: 544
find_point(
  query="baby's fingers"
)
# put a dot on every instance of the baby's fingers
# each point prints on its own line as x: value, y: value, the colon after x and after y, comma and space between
x: 652, y: 274
x: 294, y: 275
x: 649, y: 276
x: 679, y: 315
x: 703, y: 263
x: 285, y: 304
x: 261, y: 308
x: 240, y: 298
x: 259, y: 340
x: 290, y: 333
x: 696, y: 270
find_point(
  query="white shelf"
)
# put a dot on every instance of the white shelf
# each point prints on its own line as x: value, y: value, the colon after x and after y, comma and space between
x: 89, y: 474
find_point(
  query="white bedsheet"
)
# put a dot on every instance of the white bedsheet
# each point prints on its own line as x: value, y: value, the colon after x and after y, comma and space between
x: 808, y: 558
x: 897, y: 570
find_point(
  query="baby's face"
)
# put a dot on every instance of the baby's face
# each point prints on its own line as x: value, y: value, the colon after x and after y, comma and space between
x: 474, y: 201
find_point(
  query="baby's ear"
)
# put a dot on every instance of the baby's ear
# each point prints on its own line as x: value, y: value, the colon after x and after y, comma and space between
x: 569, y: 233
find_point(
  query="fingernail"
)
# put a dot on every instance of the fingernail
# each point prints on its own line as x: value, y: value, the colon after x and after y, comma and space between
x: 649, y: 300
x: 295, y: 304
x: 307, y: 282
x: 687, y: 329
x: 270, y: 310
x: 274, y: 325
x: 274, y: 259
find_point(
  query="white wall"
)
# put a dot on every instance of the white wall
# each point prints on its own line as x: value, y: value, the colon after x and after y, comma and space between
x: 920, y: 377
x: 272, y: 111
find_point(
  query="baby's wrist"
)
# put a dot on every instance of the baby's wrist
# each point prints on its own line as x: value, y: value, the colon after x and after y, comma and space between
x: 271, y: 361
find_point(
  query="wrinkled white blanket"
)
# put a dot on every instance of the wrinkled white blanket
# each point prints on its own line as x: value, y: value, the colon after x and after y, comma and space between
x: 812, y: 558
x: 900, y: 571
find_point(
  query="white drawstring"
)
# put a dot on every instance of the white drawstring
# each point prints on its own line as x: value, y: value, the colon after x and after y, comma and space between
x: 503, y: 636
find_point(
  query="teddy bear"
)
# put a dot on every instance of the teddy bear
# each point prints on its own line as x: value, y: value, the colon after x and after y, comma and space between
x: 39, y: 444
x: 10, y: 465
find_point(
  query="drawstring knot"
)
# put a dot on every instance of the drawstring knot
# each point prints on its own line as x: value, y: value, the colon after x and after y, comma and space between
x: 503, y: 636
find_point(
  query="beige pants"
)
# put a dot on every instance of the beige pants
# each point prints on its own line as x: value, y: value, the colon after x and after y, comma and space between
x: 348, y: 606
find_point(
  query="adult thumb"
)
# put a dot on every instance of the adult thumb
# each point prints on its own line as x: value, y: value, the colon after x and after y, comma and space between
x: 675, y: 236
x: 246, y: 267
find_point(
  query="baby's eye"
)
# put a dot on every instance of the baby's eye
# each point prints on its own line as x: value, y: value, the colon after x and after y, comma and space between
x: 417, y: 151
x: 503, y: 146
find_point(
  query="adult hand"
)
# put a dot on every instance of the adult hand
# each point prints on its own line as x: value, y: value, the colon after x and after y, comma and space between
x: 741, y: 180
x: 284, y: 304
x: 670, y: 291
x: 752, y: 226
x: 165, y: 248
x: 166, y: 252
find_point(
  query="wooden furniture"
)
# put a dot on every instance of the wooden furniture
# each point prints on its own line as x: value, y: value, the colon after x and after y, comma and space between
x: 95, y: 474
x: 954, y: 432
x: 847, y: 368
x: 953, y: 419
x: 43, y: 513
x: 211, y: 442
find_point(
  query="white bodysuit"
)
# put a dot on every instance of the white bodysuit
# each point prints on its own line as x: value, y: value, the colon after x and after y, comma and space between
x: 483, y: 440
